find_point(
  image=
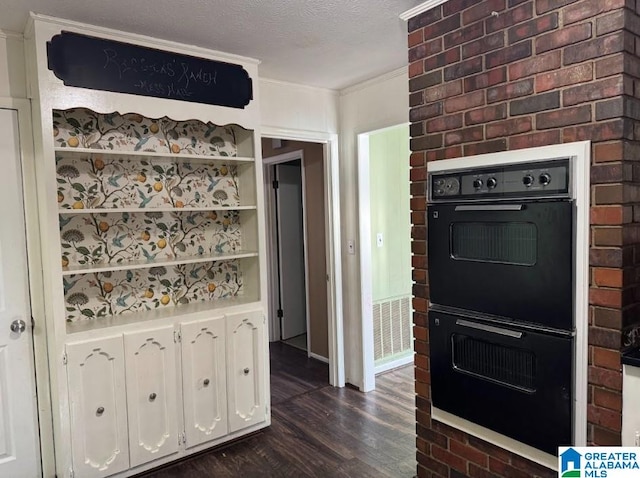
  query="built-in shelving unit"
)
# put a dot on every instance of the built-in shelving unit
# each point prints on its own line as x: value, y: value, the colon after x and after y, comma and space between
x: 153, y: 245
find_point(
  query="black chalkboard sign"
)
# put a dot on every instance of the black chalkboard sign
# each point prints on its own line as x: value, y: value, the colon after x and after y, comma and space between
x: 100, y: 64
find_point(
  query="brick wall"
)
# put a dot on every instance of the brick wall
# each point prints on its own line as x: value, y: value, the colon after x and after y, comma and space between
x: 498, y: 75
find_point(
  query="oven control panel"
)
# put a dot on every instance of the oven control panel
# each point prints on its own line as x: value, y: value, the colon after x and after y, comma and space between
x: 537, y: 179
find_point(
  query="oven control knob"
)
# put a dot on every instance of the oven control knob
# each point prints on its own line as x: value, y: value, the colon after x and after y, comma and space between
x: 544, y: 179
x: 492, y: 183
x: 477, y: 183
x: 527, y: 180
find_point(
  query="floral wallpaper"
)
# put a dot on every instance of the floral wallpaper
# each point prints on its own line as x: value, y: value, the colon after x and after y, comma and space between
x: 97, y: 295
x: 116, y: 182
x: 83, y: 128
x: 121, y: 237
x: 121, y: 182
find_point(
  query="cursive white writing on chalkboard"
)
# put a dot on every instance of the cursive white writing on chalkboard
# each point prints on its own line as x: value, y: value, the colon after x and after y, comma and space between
x: 162, y: 89
x: 204, y: 77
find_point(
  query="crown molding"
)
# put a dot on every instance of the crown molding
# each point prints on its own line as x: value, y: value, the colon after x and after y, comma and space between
x: 402, y: 71
x: 417, y: 10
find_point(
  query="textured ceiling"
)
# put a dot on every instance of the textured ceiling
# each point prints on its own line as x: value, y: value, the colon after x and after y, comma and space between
x: 326, y: 43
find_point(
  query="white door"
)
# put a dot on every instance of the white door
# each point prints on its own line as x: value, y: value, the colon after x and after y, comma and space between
x: 19, y: 447
x: 291, y: 250
x: 204, y: 380
x: 150, y: 358
x: 98, y: 407
x: 246, y: 365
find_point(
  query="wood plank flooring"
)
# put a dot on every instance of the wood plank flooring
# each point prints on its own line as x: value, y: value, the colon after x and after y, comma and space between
x: 318, y: 430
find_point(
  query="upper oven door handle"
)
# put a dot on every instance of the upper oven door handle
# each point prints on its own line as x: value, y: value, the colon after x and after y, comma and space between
x: 490, y: 207
x: 489, y: 328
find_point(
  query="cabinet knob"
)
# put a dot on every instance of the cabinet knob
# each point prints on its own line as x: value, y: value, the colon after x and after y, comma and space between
x: 152, y: 396
x: 206, y: 382
x: 246, y: 371
x: 100, y: 411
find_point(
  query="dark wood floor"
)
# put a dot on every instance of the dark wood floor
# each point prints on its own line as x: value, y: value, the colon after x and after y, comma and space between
x: 318, y: 430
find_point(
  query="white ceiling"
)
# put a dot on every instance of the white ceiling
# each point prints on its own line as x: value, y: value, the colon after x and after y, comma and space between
x: 325, y: 43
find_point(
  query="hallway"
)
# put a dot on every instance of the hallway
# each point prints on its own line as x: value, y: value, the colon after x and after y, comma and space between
x: 318, y: 430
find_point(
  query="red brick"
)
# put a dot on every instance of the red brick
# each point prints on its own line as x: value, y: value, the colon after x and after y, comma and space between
x: 445, y: 123
x: 607, y: 318
x: 425, y: 112
x: 508, y: 127
x: 606, y: 358
x: 606, y: 297
x: 508, y: 55
x: 607, y: 418
x: 607, y: 277
x: 606, y: 338
x: 588, y: 9
x: 416, y: 159
x: 616, y: 129
x: 509, y: 18
x: 563, y: 117
x: 610, y: 23
x: 602, y: 46
x: 486, y: 114
x: 605, y: 152
x: 482, y: 10
x: 455, y: 6
x: 483, y: 45
x: 449, y: 458
x: 468, y: 453
x: 595, y: 90
x: 485, y: 147
x: 430, y: 464
x: 609, y: 66
x: 486, y: 79
x: 534, y: 139
x: 415, y: 38
x: 436, y: 93
x: 533, y: 28
x: 464, y: 102
x: 607, y: 378
x: 606, y: 236
x: 535, y: 103
x: 425, y: 49
x: 543, y: 6
x: 464, y: 35
x: 606, y: 256
x: 510, y: 91
x: 442, y: 27
x: 476, y: 472
x: 425, y: 81
x: 604, y: 437
x: 611, y: 173
x: 426, y: 18
x: 563, y: 37
x: 465, y: 135
x: 463, y: 68
x: 607, y: 215
x: 416, y: 69
x: 446, y: 58
x: 538, y: 64
x: 503, y: 469
x: 564, y: 77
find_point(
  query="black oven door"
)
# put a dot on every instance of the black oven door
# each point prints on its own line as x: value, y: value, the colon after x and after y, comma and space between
x: 513, y: 381
x: 490, y: 257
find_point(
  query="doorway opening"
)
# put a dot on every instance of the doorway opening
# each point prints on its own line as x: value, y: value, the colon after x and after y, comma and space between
x: 385, y: 250
x: 298, y: 242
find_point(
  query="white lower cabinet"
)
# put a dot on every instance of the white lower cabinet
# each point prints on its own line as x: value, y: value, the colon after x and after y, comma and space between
x: 98, y: 407
x: 204, y: 380
x: 246, y: 369
x: 124, y: 389
x: 150, y: 357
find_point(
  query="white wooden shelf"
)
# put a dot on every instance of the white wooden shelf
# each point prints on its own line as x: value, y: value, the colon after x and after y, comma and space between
x: 193, y: 158
x: 91, y: 268
x: 169, y: 313
x: 117, y: 210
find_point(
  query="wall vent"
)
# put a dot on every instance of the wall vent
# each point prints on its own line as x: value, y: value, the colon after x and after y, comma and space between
x: 392, y: 331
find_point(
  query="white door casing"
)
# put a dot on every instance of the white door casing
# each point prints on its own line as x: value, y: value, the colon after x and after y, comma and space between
x: 98, y: 402
x: 291, y: 250
x: 150, y: 358
x: 245, y: 370
x: 204, y: 380
x: 19, y: 447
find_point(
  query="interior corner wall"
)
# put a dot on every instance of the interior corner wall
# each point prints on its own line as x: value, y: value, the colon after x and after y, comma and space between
x: 12, y: 66
x: 368, y: 106
x: 297, y: 108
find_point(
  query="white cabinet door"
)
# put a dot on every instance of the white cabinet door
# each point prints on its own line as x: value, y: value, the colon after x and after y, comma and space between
x: 204, y: 380
x: 245, y: 369
x: 151, y: 394
x: 98, y: 403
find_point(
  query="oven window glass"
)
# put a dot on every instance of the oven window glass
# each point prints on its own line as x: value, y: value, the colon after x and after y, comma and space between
x: 494, y: 362
x: 503, y: 242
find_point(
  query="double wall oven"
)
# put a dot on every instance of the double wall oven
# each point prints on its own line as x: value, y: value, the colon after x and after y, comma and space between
x: 501, y: 318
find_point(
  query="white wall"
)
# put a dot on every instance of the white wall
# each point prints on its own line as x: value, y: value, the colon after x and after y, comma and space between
x: 12, y: 68
x: 298, y: 108
x: 368, y: 106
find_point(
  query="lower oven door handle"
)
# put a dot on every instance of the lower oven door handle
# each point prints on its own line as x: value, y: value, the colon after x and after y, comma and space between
x: 489, y: 328
x: 491, y: 207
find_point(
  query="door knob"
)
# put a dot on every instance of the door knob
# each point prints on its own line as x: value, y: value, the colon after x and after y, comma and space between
x: 18, y: 326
